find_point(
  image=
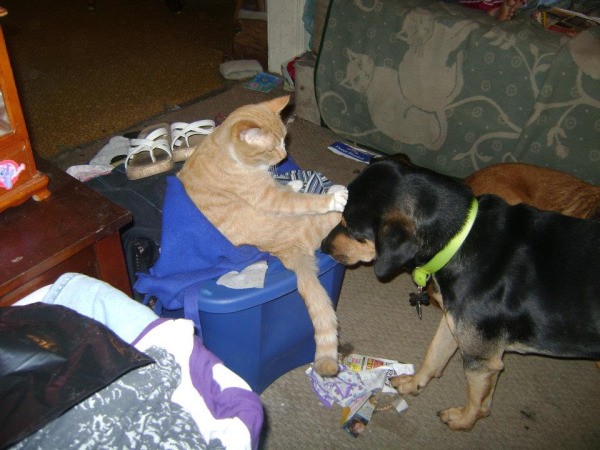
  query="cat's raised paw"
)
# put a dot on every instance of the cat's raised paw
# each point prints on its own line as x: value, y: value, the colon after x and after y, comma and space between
x: 339, y: 197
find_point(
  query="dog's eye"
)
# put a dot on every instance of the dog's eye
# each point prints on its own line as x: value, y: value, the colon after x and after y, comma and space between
x: 361, y: 240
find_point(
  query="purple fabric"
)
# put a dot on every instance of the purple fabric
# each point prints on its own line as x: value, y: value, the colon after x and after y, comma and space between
x: 223, y: 404
x: 230, y: 402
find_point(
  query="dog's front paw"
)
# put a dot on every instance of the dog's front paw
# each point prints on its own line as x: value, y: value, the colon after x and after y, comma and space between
x: 339, y: 197
x: 457, y: 419
x: 326, y: 367
x: 406, y: 384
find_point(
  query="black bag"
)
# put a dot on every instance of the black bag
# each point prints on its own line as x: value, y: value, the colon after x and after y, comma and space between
x: 52, y: 358
x: 144, y: 199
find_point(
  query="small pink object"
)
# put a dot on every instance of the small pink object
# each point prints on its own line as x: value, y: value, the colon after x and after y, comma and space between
x: 9, y: 173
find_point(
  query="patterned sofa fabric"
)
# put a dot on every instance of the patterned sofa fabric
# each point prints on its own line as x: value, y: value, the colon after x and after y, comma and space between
x: 456, y: 90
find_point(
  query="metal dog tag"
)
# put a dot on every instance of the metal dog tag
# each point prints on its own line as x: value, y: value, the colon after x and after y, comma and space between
x: 418, y: 299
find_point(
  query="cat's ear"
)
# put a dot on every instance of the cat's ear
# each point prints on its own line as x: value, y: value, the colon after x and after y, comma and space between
x: 251, y: 133
x: 351, y: 54
x: 277, y: 104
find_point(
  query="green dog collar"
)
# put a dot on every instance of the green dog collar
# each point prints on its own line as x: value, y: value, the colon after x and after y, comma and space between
x: 421, y: 274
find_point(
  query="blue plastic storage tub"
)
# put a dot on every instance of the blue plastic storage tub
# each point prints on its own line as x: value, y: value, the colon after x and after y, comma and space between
x: 262, y: 334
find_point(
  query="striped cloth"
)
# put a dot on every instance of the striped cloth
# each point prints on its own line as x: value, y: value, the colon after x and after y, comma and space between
x: 312, y: 182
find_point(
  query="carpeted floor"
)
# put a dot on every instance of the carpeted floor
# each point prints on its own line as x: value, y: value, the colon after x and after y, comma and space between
x: 540, y: 402
x: 85, y: 74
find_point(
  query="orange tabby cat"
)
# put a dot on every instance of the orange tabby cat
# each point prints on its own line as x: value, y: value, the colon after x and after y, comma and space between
x: 228, y: 179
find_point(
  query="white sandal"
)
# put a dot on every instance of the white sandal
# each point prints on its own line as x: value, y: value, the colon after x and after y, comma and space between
x: 185, y: 137
x: 150, y: 153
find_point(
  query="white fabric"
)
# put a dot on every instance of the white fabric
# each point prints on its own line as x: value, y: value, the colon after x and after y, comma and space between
x: 240, y: 69
x: 99, y: 301
x: 176, y: 336
x: 252, y: 276
x: 116, y: 146
x: 85, y: 172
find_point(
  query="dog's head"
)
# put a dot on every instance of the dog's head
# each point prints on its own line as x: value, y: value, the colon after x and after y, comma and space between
x: 398, y: 215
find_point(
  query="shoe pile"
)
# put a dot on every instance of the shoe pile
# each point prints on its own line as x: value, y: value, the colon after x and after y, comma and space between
x: 155, y: 150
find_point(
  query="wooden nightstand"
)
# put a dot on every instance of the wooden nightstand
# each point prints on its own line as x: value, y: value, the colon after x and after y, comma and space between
x: 73, y: 230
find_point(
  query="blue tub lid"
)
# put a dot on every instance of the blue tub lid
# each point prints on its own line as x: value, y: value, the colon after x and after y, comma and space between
x: 279, y: 281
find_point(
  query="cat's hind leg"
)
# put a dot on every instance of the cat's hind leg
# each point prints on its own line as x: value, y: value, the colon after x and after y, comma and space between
x: 320, y: 310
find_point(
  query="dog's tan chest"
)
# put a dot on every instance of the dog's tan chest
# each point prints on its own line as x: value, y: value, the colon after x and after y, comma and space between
x: 435, y: 296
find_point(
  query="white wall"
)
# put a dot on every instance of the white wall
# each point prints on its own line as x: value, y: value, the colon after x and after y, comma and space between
x: 286, y: 35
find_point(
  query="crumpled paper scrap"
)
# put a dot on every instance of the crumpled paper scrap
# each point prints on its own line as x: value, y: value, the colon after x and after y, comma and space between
x: 350, y: 386
x: 343, y: 389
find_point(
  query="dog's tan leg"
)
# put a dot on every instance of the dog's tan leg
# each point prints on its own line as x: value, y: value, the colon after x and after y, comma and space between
x: 481, y: 383
x: 441, y: 349
x: 597, y: 364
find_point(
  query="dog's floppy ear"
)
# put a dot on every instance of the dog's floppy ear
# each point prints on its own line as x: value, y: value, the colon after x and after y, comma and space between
x: 395, y: 245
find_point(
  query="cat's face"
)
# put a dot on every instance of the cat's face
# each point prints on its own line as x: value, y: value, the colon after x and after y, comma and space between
x: 258, y: 133
x: 359, y: 72
x: 417, y: 28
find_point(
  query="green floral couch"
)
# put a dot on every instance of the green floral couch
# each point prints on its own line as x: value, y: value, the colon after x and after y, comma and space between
x: 456, y: 90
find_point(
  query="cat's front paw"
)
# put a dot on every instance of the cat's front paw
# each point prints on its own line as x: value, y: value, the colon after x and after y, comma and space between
x: 326, y: 367
x: 339, y: 197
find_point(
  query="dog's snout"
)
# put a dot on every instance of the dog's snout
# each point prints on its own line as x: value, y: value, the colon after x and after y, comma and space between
x: 327, y: 243
x: 328, y: 248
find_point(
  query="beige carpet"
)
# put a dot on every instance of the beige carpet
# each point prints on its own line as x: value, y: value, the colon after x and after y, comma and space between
x: 83, y: 75
x: 540, y: 403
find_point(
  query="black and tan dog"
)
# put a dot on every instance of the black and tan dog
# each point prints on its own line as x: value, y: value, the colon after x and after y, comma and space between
x: 512, y: 278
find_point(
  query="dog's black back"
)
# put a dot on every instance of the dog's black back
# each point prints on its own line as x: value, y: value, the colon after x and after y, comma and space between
x: 528, y: 278
x: 538, y: 269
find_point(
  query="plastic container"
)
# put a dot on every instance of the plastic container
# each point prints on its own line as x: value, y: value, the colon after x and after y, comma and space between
x: 262, y: 334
